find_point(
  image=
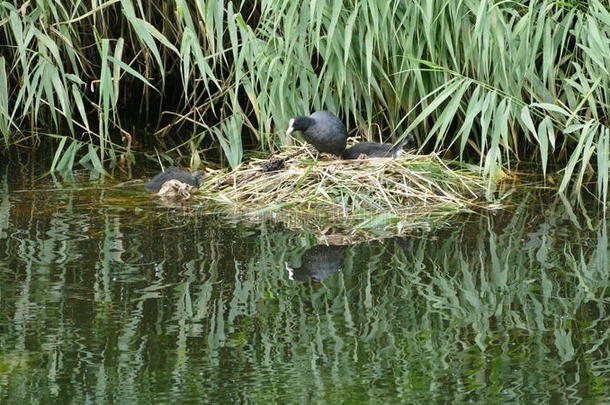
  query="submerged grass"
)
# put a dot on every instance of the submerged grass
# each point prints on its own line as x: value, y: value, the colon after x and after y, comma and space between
x: 370, y: 194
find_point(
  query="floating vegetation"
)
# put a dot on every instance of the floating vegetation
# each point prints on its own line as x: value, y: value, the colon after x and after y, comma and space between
x: 359, y: 194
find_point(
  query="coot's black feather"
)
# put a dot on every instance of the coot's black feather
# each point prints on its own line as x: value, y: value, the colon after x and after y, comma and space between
x: 173, y: 173
x: 374, y: 149
x: 323, y: 130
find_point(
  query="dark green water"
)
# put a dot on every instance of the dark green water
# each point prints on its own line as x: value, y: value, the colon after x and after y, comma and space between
x: 109, y: 297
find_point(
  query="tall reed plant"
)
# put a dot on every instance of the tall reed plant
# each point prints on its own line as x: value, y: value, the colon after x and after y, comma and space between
x: 491, y: 82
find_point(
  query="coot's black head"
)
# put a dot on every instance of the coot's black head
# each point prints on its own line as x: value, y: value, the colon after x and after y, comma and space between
x: 299, y: 124
x: 323, y: 130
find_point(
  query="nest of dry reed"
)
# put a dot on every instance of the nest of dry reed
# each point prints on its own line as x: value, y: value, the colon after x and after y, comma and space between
x: 365, y: 193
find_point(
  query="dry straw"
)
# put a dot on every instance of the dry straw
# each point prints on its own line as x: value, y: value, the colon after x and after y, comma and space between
x: 370, y: 193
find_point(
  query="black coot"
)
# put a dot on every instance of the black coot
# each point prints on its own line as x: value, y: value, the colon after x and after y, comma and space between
x: 323, y: 130
x: 374, y: 149
x: 173, y: 173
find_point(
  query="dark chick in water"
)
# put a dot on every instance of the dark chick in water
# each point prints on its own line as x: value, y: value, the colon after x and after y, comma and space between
x: 174, y: 173
x: 365, y: 150
x: 321, y: 129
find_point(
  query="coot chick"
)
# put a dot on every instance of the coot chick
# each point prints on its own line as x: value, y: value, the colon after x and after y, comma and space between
x: 323, y: 130
x: 176, y: 191
x: 173, y: 173
x: 374, y: 149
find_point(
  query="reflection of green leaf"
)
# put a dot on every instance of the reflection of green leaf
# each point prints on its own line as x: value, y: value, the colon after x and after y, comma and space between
x: 563, y: 342
x: 21, y: 361
x: 174, y: 292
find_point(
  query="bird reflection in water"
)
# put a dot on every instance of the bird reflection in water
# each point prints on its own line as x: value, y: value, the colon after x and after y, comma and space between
x: 320, y: 261
x: 317, y: 263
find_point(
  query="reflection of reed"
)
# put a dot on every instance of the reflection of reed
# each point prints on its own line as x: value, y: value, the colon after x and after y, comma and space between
x: 116, y: 299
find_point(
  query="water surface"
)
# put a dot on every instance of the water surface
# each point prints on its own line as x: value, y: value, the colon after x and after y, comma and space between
x: 108, y: 296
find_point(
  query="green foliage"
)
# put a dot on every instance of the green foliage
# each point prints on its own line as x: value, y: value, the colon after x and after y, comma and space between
x: 493, y: 82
